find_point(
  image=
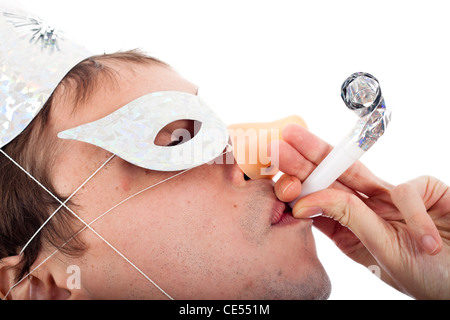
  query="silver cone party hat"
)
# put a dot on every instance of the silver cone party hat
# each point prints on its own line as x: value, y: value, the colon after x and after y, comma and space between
x: 34, y: 58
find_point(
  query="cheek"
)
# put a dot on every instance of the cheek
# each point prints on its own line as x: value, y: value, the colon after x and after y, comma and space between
x: 124, y: 185
x: 181, y: 215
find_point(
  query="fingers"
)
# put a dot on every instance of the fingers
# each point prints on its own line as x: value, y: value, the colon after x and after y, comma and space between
x: 435, y: 193
x: 310, y: 146
x: 408, y: 198
x: 295, y: 168
x: 290, y: 161
x: 312, y: 149
x: 287, y: 188
x: 350, y: 211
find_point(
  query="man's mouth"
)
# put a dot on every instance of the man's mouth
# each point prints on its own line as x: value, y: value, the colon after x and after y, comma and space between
x: 281, y: 213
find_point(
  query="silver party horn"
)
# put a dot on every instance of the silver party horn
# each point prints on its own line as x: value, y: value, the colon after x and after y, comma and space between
x: 362, y: 94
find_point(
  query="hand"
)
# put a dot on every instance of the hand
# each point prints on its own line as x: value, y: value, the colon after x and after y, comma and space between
x: 404, y: 229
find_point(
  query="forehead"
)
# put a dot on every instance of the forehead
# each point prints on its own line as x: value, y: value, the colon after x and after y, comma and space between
x: 129, y: 82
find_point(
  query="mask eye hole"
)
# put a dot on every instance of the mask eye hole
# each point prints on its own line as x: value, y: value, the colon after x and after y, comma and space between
x: 177, y: 132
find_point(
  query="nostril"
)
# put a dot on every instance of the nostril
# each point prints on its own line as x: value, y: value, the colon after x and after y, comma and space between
x: 236, y: 175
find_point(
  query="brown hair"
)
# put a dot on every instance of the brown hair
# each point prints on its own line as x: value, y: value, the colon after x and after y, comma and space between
x: 24, y: 205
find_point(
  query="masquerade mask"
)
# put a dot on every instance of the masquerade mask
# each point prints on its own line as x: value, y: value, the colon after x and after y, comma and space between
x: 130, y: 132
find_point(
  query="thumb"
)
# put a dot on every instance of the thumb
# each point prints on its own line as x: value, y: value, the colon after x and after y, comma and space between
x: 350, y: 211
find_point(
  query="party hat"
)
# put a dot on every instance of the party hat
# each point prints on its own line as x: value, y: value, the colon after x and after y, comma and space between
x: 34, y: 58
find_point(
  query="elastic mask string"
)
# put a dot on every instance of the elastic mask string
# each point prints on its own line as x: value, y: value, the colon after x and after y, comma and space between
x: 88, y: 225
x: 64, y: 203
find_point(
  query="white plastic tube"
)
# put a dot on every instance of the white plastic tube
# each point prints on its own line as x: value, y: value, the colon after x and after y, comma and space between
x: 331, y: 168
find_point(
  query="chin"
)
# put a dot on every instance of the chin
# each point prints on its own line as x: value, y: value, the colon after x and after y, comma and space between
x: 308, y: 278
x: 320, y: 284
x: 312, y: 282
x: 309, y: 282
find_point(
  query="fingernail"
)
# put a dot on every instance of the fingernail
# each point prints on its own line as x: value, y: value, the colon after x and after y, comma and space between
x: 287, y: 186
x: 429, y: 244
x: 308, y: 212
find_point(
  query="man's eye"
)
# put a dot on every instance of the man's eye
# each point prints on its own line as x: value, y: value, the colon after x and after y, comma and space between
x: 175, y: 142
x: 180, y: 131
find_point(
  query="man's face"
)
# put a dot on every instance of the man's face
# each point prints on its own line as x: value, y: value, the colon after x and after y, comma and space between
x: 206, y: 234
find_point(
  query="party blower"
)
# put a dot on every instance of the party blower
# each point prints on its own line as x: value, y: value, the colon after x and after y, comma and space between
x: 362, y: 94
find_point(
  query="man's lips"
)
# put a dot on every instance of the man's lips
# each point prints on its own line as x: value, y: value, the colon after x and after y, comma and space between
x: 280, y: 212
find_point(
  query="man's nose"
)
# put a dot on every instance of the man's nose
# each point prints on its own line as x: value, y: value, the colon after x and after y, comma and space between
x: 251, y: 141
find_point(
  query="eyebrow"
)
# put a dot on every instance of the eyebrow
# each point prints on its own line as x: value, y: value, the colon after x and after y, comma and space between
x: 80, y: 84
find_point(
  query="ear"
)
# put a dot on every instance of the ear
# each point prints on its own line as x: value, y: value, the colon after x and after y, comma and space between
x: 41, y: 285
x: 7, y: 276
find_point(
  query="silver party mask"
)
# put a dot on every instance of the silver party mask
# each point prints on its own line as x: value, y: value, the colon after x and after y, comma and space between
x: 130, y: 132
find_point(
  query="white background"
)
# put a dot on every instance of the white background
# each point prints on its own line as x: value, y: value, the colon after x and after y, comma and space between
x: 263, y: 60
